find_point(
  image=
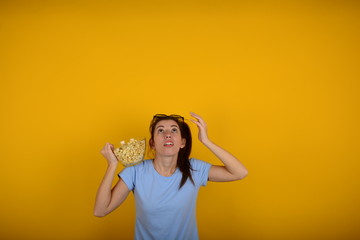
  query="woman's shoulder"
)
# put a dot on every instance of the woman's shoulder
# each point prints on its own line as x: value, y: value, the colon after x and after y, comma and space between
x: 140, y: 167
x: 143, y: 164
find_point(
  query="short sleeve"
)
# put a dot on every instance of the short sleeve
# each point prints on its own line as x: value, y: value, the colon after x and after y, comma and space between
x: 128, y: 176
x: 200, y: 171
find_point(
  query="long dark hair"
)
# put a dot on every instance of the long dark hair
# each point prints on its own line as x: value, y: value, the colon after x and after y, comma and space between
x: 183, y: 161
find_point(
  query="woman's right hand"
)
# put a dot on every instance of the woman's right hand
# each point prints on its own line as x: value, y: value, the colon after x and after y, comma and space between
x: 107, y: 152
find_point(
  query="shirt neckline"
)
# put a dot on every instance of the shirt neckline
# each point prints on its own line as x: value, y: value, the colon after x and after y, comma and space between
x: 157, y: 173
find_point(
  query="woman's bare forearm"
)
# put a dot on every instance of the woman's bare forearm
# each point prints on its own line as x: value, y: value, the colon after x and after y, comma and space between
x: 231, y: 163
x: 103, y: 196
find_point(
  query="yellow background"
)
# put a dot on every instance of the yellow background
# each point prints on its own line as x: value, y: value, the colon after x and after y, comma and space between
x: 277, y: 83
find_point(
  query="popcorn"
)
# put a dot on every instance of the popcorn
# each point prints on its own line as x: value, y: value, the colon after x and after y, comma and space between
x: 131, y: 152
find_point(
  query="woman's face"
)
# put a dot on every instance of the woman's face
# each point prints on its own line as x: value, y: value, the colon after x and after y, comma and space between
x: 167, y: 138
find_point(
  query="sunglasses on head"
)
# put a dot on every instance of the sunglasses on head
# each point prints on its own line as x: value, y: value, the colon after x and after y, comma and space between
x: 175, y: 116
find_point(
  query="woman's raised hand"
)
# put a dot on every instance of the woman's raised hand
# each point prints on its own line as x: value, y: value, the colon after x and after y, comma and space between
x: 107, y: 152
x: 201, y: 124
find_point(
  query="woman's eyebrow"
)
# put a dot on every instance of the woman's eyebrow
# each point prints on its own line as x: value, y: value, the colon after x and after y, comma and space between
x: 163, y: 126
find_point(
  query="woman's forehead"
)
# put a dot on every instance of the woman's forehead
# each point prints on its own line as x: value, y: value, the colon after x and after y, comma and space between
x: 167, y: 123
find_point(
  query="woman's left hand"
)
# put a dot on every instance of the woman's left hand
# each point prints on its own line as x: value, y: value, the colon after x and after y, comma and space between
x: 203, y: 136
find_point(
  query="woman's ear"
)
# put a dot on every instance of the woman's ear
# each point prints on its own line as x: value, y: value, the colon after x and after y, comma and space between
x: 183, y: 142
x: 151, y: 143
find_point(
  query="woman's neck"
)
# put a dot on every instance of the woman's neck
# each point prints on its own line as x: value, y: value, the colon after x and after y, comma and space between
x: 165, y: 165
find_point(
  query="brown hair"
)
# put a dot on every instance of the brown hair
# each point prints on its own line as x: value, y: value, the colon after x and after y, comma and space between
x: 183, y: 161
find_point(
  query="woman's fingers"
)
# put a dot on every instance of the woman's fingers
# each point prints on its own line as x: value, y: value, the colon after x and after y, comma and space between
x: 198, y: 118
x: 196, y: 122
x: 110, y: 146
x: 200, y: 122
x: 199, y: 125
x: 108, y: 153
x: 107, y: 149
x: 195, y: 115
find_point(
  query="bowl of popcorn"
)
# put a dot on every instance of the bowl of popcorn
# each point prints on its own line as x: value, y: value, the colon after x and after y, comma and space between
x: 131, y: 152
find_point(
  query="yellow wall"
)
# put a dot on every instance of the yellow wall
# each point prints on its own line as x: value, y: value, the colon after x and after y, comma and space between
x: 278, y: 85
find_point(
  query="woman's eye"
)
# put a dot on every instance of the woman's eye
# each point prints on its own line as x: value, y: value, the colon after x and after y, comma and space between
x: 160, y: 130
x: 174, y: 130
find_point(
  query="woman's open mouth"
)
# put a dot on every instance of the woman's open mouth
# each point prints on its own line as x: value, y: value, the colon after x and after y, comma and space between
x: 168, y: 144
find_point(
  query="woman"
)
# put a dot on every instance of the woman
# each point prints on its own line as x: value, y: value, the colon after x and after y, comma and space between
x: 166, y: 187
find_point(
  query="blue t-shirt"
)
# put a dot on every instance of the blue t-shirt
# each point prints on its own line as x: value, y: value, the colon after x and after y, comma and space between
x: 162, y: 210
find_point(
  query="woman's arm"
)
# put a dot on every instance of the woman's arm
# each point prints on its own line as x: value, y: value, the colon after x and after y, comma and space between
x: 232, y: 170
x: 107, y: 199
